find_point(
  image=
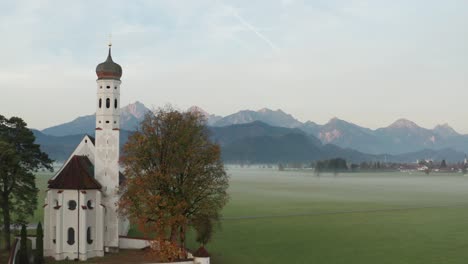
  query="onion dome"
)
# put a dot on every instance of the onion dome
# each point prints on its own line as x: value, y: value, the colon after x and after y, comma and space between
x: 109, y: 69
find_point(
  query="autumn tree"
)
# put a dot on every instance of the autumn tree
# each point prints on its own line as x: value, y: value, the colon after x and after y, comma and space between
x: 204, y: 228
x: 175, y: 175
x: 19, y: 159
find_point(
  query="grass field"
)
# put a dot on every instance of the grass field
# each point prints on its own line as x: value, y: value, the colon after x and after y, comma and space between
x: 296, y: 217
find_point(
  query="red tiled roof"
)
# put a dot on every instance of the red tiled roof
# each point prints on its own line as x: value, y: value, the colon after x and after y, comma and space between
x: 201, y: 253
x: 78, y: 174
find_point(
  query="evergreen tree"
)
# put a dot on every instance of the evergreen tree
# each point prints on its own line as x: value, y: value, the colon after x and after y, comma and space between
x: 443, y: 164
x: 39, y: 259
x: 19, y: 158
x: 23, y: 251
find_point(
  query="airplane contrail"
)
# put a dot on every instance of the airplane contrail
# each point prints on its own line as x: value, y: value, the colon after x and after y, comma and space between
x: 253, y: 29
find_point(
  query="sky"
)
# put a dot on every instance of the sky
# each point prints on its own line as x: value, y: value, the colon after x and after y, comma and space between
x: 367, y: 62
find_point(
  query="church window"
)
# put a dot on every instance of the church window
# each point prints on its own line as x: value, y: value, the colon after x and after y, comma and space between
x: 99, y: 121
x: 107, y: 122
x: 100, y: 86
x: 71, y: 205
x: 56, y: 204
x: 115, y: 87
x: 90, y: 204
x: 108, y: 103
x: 108, y: 87
x: 54, y: 235
x: 71, y: 236
x: 100, y: 102
x: 115, y: 103
x: 86, y: 141
x: 89, y: 237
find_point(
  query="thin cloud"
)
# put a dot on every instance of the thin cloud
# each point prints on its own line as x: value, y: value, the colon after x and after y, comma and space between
x: 254, y: 30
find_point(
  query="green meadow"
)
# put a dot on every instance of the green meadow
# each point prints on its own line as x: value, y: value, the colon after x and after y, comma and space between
x: 297, y: 217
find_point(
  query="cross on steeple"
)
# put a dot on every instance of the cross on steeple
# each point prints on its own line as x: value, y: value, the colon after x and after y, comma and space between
x: 110, y: 40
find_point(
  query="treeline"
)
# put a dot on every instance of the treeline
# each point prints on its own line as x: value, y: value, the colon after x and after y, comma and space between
x: 337, y: 165
x: 331, y: 165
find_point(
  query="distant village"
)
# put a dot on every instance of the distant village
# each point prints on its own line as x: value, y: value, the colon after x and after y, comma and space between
x: 341, y: 165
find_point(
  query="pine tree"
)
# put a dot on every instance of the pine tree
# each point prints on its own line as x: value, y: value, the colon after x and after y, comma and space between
x: 20, y: 157
x: 39, y: 259
x: 23, y: 251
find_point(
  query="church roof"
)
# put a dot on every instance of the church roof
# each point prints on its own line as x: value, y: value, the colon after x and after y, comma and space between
x: 93, y: 140
x: 109, y: 69
x: 78, y: 174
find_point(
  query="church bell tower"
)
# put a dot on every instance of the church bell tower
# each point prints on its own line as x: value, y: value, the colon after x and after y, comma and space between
x: 106, y: 167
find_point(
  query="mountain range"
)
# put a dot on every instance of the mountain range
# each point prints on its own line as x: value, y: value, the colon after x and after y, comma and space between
x: 272, y: 135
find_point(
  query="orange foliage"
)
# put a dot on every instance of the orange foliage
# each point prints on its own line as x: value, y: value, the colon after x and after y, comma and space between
x: 174, y: 175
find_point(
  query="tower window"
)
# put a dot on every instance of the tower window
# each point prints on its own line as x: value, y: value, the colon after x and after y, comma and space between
x: 115, y: 87
x: 99, y: 122
x: 115, y: 122
x: 100, y: 86
x: 90, y: 204
x: 108, y: 87
x: 89, y: 237
x: 71, y: 236
x: 108, y: 103
x: 54, y: 234
x: 107, y: 122
x: 115, y: 103
x: 100, y: 102
x: 71, y: 205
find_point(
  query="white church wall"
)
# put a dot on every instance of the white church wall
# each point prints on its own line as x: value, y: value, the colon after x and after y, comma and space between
x: 93, y: 221
x: 69, y: 226
x: 52, y: 222
x: 107, y: 154
x: 198, y: 260
x: 133, y: 243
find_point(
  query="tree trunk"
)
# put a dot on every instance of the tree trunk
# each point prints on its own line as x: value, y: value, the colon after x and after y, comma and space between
x: 182, y: 240
x: 6, y: 222
x: 174, y: 233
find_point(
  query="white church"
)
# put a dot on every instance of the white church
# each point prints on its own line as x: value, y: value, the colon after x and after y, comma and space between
x: 80, y: 211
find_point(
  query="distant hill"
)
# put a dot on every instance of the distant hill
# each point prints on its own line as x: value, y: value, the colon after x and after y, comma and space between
x: 401, y: 137
x: 265, y: 115
x: 130, y: 116
x: 210, y: 118
x: 229, y: 134
x: 258, y: 142
x: 59, y: 148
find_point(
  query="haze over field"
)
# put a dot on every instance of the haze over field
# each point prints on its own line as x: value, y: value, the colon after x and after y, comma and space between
x: 296, y: 217
x: 367, y: 62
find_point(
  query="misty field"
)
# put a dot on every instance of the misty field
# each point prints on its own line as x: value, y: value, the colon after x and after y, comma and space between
x: 296, y: 217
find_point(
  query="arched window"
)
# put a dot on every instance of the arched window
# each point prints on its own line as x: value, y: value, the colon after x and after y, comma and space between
x: 115, y: 103
x: 54, y: 235
x: 71, y: 205
x: 89, y: 237
x: 100, y: 102
x: 108, y: 103
x: 108, y: 87
x: 90, y: 204
x: 71, y: 236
